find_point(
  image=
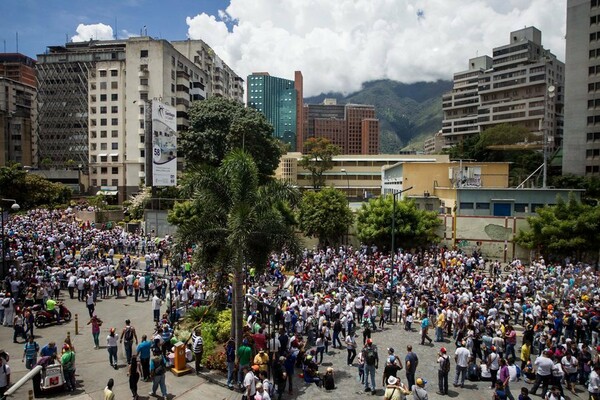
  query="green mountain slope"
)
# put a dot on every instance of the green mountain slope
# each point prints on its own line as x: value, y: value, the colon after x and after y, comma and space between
x: 408, y: 112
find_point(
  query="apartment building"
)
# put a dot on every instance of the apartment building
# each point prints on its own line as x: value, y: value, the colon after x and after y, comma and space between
x: 352, y: 127
x: 95, y: 100
x: 581, y: 145
x: 522, y: 84
x: 17, y: 109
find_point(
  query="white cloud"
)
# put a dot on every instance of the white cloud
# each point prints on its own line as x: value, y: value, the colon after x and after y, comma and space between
x: 340, y: 44
x: 93, y: 31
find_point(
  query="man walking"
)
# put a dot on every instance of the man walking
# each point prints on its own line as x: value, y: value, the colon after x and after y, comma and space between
x: 371, y: 364
x: 411, y: 361
x: 461, y: 357
x: 443, y: 371
x: 351, y: 347
x: 543, y: 365
x: 198, y: 348
x: 143, y: 352
x: 156, y: 303
x: 127, y: 336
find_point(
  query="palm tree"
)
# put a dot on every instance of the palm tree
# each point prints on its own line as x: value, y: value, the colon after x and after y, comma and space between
x: 235, y: 221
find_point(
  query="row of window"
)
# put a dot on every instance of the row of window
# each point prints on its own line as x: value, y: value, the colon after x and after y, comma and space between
x: 593, y: 136
x: 518, y: 207
x: 104, y: 85
x: 104, y: 97
x: 104, y: 182
x: 113, y: 72
x: 592, y: 169
x: 104, y: 110
x: 104, y: 170
x: 103, y: 146
x: 104, y: 122
x: 592, y: 153
x: 104, y: 134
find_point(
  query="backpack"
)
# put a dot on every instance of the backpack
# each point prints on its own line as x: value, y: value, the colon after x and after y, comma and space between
x: 370, y: 356
x: 159, y: 366
x: 446, y: 365
x: 128, y: 336
x: 6, y: 302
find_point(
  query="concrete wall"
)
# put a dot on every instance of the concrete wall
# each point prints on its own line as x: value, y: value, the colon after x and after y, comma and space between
x: 157, y: 220
x: 496, y: 235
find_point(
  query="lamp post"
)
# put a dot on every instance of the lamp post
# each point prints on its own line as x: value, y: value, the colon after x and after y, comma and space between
x: 394, y: 194
x: 343, y: 170
x: 14, y: 207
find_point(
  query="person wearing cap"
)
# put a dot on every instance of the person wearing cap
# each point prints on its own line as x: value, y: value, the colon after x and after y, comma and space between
x: 68, y: 363
x: 394, y: 390
x: 443, y: 371
x: 262, y: 360
x: 250, y: 381
x: 371, y: 364
x: 418, y: 390
x: 493, y: 364
x: 112, y: 345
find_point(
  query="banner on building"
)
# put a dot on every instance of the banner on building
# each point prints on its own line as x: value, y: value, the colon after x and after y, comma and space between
x: 164, y: 145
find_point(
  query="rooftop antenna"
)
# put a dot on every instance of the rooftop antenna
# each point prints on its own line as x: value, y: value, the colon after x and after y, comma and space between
x: 17, y: 36
x: 116, y: 30
x: 145, y: 31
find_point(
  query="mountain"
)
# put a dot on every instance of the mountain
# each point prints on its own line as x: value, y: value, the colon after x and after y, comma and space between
x: 408, y: 113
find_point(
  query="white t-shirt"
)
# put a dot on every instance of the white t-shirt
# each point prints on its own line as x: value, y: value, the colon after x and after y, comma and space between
x: 543, y: 365
x: 3, y: 375
x: 462, y: 356
x: 249, y: 381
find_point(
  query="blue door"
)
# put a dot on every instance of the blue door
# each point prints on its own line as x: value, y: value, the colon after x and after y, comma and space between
x: 502, y: 209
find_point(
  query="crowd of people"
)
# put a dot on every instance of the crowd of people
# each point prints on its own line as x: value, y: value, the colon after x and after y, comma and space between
x: 538, y: 323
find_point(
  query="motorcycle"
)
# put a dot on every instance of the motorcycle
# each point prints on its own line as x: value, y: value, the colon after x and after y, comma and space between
x: 44, y: 317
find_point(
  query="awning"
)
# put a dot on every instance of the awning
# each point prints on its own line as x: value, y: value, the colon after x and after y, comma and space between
x: 114, y: 154
x: 107, y: 193
x: 102, y: 155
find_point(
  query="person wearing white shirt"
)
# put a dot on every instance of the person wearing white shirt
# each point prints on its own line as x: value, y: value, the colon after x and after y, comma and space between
x: 543, y: 375
x: 461, y: 357
x: 156, y: 303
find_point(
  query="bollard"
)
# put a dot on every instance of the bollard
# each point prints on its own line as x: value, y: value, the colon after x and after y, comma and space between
x: 69, y: 336
x: 76, y: 325
x: 30, y: 394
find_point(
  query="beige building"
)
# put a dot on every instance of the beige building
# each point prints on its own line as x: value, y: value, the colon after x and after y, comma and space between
x: 359, y: 176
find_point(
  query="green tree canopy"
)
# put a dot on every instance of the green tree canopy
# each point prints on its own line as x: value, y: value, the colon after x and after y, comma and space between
x: 414, y: 227
x: 234, y: 221
x: 568, y: 228
x: 219, y: 125
x: 325, y: 215
x: 31, y: 190
x: 591, y: 184
x: 319, y: 158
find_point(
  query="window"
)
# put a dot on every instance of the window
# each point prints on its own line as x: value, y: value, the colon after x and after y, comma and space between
x: 103, y: 146
x: 93, y: 98
x: 114, y: 121
x: 115, y: 158
x: 93, y: 134
x: 114, y: 85
x: 103, y: 122
x: 103, y: 182
x: 521, y: 207
x: 102, y: 134
x: 141, y: 124
x: 114, y: 109
x: 143, y: 53
x: 102, y: 97
x: 114, y: 133
x: 114, y: 170
x: 482, y: 206
x: 93, y: 146
x: 142, y: 110
x: 94, y: 182
x: 144, y: 96
x: 114, y: 97
x: 114, y: 72
x: 114, y: 182
x: 92, y: 110
x: 103, y: 86
x: 142, y: 153
x: 102, y: 73
x: 114, y: 146
x: 144, y: 81
x: 466, y: 206
x: 104, y: 170
x: 103, y: 110
x: 534, y: 207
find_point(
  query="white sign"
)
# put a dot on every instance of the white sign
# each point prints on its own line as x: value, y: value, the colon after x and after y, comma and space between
x: 164, y: 145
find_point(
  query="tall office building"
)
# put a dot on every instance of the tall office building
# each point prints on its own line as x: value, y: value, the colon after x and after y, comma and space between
x: 94, y: 101
x: 581, y: 145
x: 17, y: 109
x: 280, y: 101
x: 522, y: 84
x: 352, y: 127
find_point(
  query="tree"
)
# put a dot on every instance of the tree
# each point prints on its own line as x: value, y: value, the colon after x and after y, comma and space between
x: 591, y: 184
x: 319, y: 158
x: 234, y: 221
x: 568, y: 228
x: 31, y: 190
x: 325, y: 214
x: 414, y: 227
x: 219, y: 125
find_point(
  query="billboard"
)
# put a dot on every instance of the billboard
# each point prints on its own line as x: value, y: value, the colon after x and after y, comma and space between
x: 164, y: 145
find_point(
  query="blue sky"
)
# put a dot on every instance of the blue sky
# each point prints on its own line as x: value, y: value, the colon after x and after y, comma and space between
x: 41, y: 23
x: 337, y: 44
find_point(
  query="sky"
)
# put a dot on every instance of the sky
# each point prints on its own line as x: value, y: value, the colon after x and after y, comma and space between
x: 337, y: 44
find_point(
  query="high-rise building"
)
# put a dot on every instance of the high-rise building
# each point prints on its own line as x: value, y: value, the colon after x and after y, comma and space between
x: 94, y: 100
x: 581, y: 144
x: 280, y: 101
x: 17, y: 109
x: 352, y: 127
x: 522, y: 85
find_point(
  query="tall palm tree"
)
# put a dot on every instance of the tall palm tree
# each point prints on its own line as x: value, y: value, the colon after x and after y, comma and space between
x: 235, y: 221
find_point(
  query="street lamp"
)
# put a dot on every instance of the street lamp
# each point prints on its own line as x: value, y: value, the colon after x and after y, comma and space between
x: 14, y: 207
x: 394, y: 194
x: 343, y: 170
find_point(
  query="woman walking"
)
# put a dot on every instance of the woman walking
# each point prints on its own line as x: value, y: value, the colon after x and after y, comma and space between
x: 112, y: 343
x: 134, y: 376
x: 96, y: 324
